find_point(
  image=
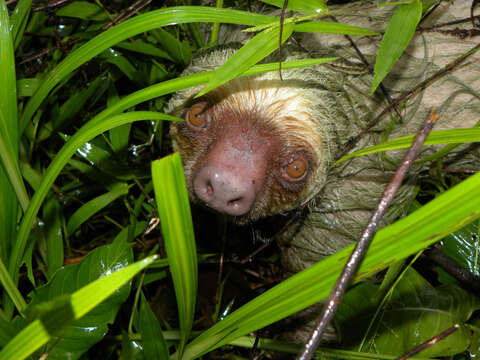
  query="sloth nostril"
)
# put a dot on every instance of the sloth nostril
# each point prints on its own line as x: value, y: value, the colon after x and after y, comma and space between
x: 209, y: 189
x: 235, y: 202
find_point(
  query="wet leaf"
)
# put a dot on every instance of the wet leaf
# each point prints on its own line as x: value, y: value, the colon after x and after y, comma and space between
x: 397, y: 36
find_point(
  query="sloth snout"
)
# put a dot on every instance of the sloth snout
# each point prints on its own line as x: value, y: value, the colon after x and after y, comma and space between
x: 224, y: 190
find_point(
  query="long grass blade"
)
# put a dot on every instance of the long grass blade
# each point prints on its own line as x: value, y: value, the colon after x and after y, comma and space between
x: 68, y: 309
x: 177, y: 229
x: 86, y: 133
x: 130, y: 28
x: 454, y: 136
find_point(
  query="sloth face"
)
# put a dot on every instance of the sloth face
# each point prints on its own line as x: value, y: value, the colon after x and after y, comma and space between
x: 250, y: 148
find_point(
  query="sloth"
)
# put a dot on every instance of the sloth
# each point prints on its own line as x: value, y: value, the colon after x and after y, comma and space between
x: 260, y: 146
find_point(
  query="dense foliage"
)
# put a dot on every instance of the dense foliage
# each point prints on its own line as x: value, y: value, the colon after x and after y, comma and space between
x: 83, y: 89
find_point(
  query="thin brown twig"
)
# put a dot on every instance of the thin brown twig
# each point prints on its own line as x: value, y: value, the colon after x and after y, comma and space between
x: 466, y: 278
x: 370, y: 70
x: 128, y: 13
x: 455, y: 22
x: 51, y: 5
x: 459, y: 171
x: 361, y: 247
x: 47, y: 51
x: 430, y: 342
x: 406, y: 95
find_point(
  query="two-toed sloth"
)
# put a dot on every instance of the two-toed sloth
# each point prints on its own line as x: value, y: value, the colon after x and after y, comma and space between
x: 260, y: 146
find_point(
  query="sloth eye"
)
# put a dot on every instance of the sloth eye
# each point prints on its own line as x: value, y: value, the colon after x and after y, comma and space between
x: 197, y: 116
x: 296, y: 169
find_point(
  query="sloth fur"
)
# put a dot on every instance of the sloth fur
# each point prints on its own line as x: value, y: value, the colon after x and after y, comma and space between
x: 311, y: 115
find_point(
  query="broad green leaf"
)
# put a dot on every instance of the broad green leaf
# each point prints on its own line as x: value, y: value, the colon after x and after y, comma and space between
x: 418, y: 312
x: 448, y: 212
x: 303, y: 6
x: 83, y: 10
x: 95, y: 205
x: 100, y: 124
x: 130, y: 28
x: 464, y: 247
x: 454, y: 136
x: 415, y: 312
x: 177, y: 230
x: 329, y: 27
x: 86, y: 133
x: 154, y: 345
x: 399, y: 32
x: 248, y: 55
x: 65, y: 309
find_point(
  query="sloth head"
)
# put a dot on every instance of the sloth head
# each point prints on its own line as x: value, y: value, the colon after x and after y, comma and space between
x: 256, y: 146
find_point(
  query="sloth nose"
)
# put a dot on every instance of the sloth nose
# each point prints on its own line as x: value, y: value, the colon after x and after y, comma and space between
x: 224, y: 190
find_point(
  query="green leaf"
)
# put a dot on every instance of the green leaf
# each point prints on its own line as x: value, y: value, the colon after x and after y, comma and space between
x: 86, y: 133
x: 75, y: 104
x: 177, y: 230
x: 93, y: 206
x: 418, y: 312
x: 12, y: 291
x: 453, y: 136
x: 329, y: 27
x: 415, y: 312
x: 121, y: 62
x: 302, y: 6
x: 53, y: 219
x: 27, y: 87
x: 446, y: 213
x: 68, y: 308
x: 249, y: 54
x: 142, y: 47
x: 464, y: 247
x: 8, y: 140
x: 128, y: 29
x: 399, y: 32
x: 83, y: 10
x: 154, y: 345
x: 18, y: 20
x: 179, y: 51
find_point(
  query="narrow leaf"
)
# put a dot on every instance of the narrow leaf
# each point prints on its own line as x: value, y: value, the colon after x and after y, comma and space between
x: 252, y: 52
x: 329, y: 27
x: 454, y: 136
x: 129, y: 28
x: 397, y: 36
x: 87, y: 210
x: 177, y: 230
x: 9, y: 138
x: 86, y: 133
x: 302, y: 6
